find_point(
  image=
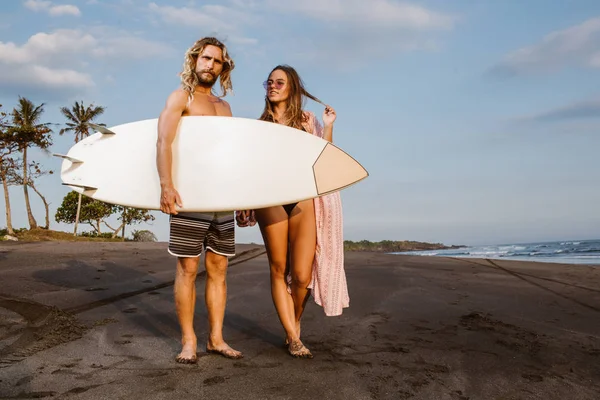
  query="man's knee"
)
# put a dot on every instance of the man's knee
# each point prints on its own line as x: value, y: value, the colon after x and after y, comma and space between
x: 216, y: 265
x: 188, y: 266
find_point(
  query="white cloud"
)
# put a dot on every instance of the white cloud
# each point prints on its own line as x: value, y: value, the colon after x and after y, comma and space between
x: 336, y: 33
x: 38, y: 5
x: 35, y: 79
x: 225, y: 21
x: 350, y: 34
x: 66, y: 9
x: 122, y: 45
x: 58, y: 60
x: 577, y: 45
x: 581, y: 110
x: 368, y: 13
x: 51, y: 9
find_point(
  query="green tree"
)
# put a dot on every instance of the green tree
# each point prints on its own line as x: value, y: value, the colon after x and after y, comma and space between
x: 92, y: 211
x: 35, y: 171
x: 28, y: 131
x: 8, y: 147
x: 78, y: 118
x: 143, y: 236
x: 131, y: 216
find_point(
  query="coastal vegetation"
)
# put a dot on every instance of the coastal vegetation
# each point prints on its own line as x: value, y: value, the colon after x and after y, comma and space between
x: 391, y: 246
x: 48, y: 235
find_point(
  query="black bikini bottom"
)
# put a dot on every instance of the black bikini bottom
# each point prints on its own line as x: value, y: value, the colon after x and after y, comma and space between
x: 289, y: 207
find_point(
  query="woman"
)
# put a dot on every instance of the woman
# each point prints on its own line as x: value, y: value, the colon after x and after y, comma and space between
x: 303, y: 240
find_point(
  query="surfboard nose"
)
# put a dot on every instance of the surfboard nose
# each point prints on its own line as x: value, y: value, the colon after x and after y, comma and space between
x: 334, y: 169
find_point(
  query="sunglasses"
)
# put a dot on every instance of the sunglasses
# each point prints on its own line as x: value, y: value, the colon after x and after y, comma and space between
x: 276, y: 85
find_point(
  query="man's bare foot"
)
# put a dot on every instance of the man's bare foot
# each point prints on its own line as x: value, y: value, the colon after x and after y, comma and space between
x: 188, y: 353
x: 224, y: 350
x: 298, y: 350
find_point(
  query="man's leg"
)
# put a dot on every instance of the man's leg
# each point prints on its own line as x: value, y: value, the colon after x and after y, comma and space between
x: 215, y: 295
x: 220, y: 244
x: 187, y: 231
x: 185, y: 301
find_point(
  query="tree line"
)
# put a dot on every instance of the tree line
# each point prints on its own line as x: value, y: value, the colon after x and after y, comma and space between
x: 22, y: 129
x: 392, y: 246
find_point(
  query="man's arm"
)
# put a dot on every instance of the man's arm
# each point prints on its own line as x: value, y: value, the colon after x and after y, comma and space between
x: 167, y: 129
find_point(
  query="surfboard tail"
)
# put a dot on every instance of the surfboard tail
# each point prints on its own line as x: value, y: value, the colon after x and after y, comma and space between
x: 335, y: 170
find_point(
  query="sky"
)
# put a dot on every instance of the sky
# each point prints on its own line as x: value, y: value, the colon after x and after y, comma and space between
x: 478, y: 121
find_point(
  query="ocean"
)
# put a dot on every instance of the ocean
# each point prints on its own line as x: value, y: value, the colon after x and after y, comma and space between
x: 567, y: 252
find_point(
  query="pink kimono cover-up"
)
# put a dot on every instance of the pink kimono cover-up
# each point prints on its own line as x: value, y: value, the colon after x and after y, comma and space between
x: 328, y: 285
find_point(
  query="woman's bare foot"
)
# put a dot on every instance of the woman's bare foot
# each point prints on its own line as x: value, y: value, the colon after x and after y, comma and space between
x: 298, y: 350
x: 188, y: 352
x: 224, y: 350
x: 298, y: 328
x: 287, y: 339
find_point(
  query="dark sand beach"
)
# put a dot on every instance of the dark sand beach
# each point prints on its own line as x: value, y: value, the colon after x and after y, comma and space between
x: 97, y: 321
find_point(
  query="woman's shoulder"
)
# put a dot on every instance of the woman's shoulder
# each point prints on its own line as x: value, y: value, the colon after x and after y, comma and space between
x: 308, y: 121
x: 308, y: 115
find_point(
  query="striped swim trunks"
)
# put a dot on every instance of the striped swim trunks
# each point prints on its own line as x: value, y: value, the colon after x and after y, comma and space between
x: 192, y: 232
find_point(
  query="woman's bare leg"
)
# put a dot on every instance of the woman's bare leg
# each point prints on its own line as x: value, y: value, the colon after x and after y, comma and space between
x: 273, y: 225
x: 303, y: 242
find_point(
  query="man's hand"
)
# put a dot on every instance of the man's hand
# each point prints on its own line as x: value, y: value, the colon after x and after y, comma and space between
x: 245, y: 218
x: 168, y: 198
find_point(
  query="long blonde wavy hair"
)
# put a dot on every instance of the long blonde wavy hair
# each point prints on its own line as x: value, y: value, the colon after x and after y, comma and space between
x: 189, y: 78
x: 294, y: 115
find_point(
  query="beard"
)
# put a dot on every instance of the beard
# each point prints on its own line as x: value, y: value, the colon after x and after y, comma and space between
x: 206, y: 78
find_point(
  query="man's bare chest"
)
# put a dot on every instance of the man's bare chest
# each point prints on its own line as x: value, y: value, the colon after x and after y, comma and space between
x: 205, y: 106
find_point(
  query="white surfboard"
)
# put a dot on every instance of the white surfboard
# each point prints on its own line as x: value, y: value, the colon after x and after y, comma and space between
x: 219, y: 164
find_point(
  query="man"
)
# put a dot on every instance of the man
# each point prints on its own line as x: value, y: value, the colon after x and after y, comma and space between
x: 205, y: 62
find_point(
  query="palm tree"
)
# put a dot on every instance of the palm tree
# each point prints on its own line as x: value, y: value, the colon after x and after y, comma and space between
x: 28, y: 131
x: 7, y: 164
x: 77, y: 122
x: 78, y: 118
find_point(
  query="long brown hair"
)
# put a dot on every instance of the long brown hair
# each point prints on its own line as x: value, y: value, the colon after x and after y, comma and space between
x: 293, y: 115
x: 189, y: 78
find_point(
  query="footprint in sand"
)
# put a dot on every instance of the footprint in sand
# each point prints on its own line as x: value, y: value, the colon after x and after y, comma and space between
x: 215, y: 380
x: 373, y: 321
x: 24, y: 381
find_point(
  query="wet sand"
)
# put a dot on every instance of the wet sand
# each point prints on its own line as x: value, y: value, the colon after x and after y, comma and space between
x: 97, y: 321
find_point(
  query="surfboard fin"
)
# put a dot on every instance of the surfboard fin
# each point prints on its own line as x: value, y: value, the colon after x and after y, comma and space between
x: 84, y: 187
x: 102, y: 129
x: 72, y: 159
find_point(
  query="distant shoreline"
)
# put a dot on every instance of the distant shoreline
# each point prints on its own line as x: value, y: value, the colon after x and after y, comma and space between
x: 391, y: 246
